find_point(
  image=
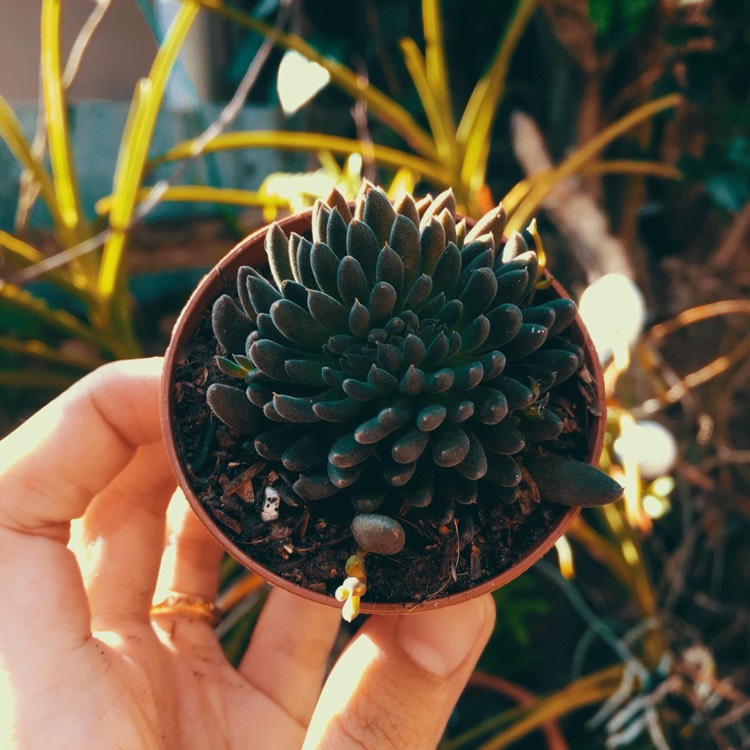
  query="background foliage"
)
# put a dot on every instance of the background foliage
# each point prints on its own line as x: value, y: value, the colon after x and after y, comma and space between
x: 624, y: 126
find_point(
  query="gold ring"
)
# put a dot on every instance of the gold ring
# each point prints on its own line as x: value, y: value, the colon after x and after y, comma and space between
x: 181, y: 605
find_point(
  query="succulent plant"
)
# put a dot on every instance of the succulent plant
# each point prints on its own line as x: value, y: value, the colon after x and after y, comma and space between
x: 397, y: 360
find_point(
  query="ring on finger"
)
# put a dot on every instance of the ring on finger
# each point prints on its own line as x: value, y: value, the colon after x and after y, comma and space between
x: 183, y: 605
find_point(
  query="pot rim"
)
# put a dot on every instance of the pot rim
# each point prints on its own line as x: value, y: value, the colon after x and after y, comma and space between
x: 251, y: 251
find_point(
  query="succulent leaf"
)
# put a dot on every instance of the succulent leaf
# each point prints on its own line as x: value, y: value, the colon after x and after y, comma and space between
x: 397, y: 360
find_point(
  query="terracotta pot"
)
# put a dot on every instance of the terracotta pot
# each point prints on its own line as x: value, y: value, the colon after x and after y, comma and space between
x: 250, y: 251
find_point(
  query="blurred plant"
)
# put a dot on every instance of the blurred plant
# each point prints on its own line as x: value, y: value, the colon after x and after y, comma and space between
x: 93, y: 283
x: 452, y: 153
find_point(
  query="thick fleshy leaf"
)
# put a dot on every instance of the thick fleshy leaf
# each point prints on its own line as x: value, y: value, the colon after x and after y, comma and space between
x: 447, y: 270
x: 502, y: 470
x: 419, y: 293
x: 346, y: 452
x: 516, y: 393
x: 271, y: 357
x: 474, y: 465
x: 324, y: 263
x: 363, y: 245
x: 390, y: 268
x: 272, y: 443
x: 511, y: 286
x: 569, y: 482
x: 298, y: 325
x: 543, y: 315
x: 381, y: 380
x: 232, y: 407
x: 262, y: 294
x: 468, y: 376
x: 320, y: 214
x: 504, y: 438
x: 565, y: 312
x: 295, y: 408
x: 412, y: 382
x: 230, y: 325
x: 314, y: 486
x: 528, y: 339
x: 406, y: 206
x: 439, y: 381
x: 359, y: 390
x: 379, y: 214
x: 305, y: 273
x: 243, y: 274
x: 491, y: 405
x: 410, y: 446
x: 472, y: 250
x: 359, y: 320
x: 404, y: 240
x: 545, y: 427
x: 437, y: 351
x: 295, y: 292
x: 431, y: 417
x: 382, y: 302
x: 277, y: 250
x: 492, y: 222
x: 344, y: 477
x: 456, y: 486
x: 336, y: 199
x: 351, y: 281
x: 379, y: 534
x: 493, y: 363
x: 450, y: 445
x: 432, y: 243
x: 394, y: 473
x: 475, y: 334
x: 306, y: 453
x: 389, y: 358
x: 505, y: 322
x: 419, y: 491
x: 413, y: 350
x: 305, y: 372
x: 340, y: 410
x: 563, y: 363
x: 445, y: 201
x: 461, y: 410
x: 336, y: 233
x: 327, y: 311
x: 388, y: 420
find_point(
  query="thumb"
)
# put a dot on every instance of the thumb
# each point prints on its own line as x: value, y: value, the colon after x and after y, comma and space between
x: 400, y: 677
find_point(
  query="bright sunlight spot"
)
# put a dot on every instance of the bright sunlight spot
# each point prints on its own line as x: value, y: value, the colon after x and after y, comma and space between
x: 299, y: 79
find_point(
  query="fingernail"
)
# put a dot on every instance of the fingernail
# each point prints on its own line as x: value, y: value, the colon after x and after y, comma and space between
x: 440, y: 641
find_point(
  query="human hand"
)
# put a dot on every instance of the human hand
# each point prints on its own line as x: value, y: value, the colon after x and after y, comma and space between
x: 84, y: 665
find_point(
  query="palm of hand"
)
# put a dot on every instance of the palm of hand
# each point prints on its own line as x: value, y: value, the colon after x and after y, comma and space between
x: 83, y: 664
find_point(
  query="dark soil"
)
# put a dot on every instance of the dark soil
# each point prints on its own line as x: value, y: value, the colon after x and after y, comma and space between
x: 309, y: 543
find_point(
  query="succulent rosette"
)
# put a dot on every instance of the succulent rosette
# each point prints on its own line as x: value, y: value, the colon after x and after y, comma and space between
x: 397, y: 360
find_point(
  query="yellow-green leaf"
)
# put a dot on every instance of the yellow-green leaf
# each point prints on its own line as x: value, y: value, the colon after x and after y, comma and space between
x: 292, y: 141
x: 474, y: 130
x: 378, y: 103
x: 12, y: 133
x: 134, y: 149
x: 201, y: 194
x: 56, y: 118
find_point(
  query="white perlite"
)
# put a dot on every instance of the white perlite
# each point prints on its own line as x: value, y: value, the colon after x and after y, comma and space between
x: 271, y: 501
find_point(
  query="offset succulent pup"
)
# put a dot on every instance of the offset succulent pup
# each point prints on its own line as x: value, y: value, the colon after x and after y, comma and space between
x: 397, y: 361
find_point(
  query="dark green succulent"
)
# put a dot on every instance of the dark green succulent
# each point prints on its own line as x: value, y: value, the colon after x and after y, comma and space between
x: 395, y: 360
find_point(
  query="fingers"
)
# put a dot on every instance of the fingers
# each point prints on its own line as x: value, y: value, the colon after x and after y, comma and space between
x: 189, y: 567
x: 289, y: 652
x: 50, y: 469
x: 122, y: 539
x: 397, y: 682
x: 54, y: 464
